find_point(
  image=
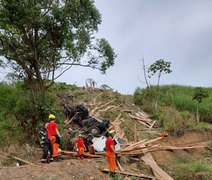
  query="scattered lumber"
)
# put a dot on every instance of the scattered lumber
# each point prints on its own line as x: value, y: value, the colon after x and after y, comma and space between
x: 74, y: 154
x: 134, y: 145
x: 93, y: 102
x: 152, y: 125
x: 116, y: 126
x: 140, y: 121
x: 164, y: 148
x: 119, y: 165
x: 108, y: 108
x: 100, y: 107
x: 159, y: 173
x: 152, y: 140
x: 130, y: 174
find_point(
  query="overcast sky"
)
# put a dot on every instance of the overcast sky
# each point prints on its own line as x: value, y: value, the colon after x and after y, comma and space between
x: 178, y: 31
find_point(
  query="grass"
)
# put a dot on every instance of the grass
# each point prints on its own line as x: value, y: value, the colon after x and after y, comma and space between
x: 192, y: 169
x: 10, y: 132
x: 175, y: 107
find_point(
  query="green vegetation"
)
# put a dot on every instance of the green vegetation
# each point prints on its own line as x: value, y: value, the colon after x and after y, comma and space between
x: 17, y: 108
x: 40, y: 41
x: 160, y: 67
x: 176, y: 107
x: 193, y: 169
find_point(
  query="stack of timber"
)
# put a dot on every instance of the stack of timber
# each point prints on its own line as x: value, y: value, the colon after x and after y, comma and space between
x: 144, y: 119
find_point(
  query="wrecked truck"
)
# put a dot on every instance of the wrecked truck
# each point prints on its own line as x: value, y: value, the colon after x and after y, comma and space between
x: 79, y: 121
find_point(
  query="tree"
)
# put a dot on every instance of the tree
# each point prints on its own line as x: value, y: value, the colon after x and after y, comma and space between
x: 145, y: 74
x: 199, y: 94
x: 41, y: 40
x: 160, y: 67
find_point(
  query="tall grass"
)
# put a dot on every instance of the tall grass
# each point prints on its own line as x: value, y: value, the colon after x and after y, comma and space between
x: 176, y: 108
x: 192, y: 169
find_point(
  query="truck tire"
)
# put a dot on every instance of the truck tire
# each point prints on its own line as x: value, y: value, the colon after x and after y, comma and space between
x: 94, y: 131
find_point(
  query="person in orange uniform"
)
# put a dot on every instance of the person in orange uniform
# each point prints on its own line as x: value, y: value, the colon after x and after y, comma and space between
x: 165, y: 135
x: 54, y: 136
x: 110, y: 152
x: 80, y: 146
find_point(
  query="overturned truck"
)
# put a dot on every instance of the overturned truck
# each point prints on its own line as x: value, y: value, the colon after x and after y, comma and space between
x: 80, y: 122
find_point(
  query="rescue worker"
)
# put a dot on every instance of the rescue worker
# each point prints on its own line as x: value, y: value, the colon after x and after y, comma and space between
x: 54, y: 136
x: 46, y: 145
x: 110, y: 152
x: 80, y: 145
x: 164, y: 136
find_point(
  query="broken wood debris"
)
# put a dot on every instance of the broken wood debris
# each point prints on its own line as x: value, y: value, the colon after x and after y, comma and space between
x: 16, y: 158
x: 74, y: 154
x: 130, y: 174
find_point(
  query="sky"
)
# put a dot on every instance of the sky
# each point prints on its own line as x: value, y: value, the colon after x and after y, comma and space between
x: 178, y: 31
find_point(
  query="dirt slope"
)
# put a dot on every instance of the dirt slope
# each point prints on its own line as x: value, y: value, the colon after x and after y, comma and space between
x: 68, y: 169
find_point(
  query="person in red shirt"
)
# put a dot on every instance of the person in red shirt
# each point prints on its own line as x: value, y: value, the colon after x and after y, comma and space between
x: 165, y: 135
x: 54, y: 136
x: 80, y: 146
x: 110, y: 152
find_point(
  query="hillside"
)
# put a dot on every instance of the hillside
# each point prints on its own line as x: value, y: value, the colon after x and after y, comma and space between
x: 176, y: 157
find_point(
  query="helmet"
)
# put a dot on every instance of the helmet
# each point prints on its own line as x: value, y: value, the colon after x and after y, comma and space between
x: 112, y: 132
x: 51, y: 116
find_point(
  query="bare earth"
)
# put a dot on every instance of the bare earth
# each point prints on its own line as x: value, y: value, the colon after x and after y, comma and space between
x: 67, y: 169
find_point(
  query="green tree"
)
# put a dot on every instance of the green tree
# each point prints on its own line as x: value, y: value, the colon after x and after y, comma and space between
x: 41, y: 40
x: 160, y: 67
x: 198, y: 95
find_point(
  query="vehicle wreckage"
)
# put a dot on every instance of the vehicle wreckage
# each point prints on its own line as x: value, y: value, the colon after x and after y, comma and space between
x: 79, y: 121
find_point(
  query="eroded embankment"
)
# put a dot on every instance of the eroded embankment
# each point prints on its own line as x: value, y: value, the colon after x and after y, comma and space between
x: 188, y: 139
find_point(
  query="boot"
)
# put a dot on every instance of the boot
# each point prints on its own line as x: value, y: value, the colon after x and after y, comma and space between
x: 44, y: 160
x: 57, y: 159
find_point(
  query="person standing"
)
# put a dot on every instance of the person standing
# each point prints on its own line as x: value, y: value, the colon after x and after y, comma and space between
x: 80, y: 145
x: 110, y: 152
x: 54, y: 136
x: 46, y: 145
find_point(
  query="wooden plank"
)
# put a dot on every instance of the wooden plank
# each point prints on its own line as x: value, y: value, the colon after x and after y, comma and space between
x: 152, y: 125
x: 159, y: 173
x: 135, y: 144
x: 135, y: 134
x: 130, y: 174
x: 164, y: 148
x: 140, y: 121
x: 74, y: 154
x: 152, y: 140
x: 17, y: 158
x: 119, y: 165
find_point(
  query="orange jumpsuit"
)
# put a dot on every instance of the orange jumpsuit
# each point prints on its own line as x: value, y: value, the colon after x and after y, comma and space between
x: 111, y: 157
x: 51, y: 128
x: 80, y: 146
